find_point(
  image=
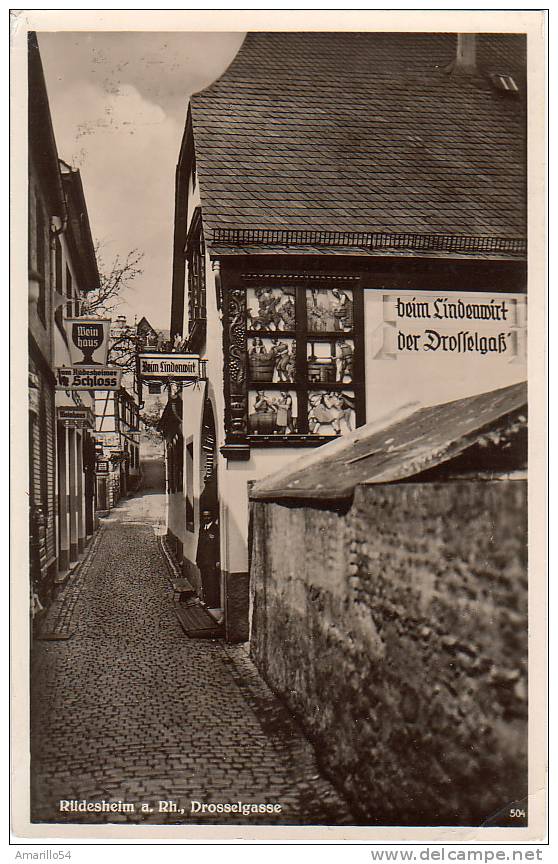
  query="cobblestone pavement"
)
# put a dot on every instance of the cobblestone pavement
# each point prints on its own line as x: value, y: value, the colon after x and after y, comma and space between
x: 125, y: 707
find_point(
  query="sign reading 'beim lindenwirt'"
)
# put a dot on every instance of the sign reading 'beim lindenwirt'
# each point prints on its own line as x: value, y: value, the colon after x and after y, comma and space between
x: 158, y: 367
x: 445, y: 324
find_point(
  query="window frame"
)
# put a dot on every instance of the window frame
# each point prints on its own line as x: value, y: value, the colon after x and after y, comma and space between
x: 238, y: 344
x: 69, y: 293
x: 41, y: 254
x: 58, y: 285
x: 195, y: 257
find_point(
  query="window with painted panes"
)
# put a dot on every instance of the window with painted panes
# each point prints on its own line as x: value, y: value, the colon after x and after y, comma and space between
x: 304, y: 361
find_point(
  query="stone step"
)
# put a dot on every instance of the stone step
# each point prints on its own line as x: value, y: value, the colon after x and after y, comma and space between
x: 182, y: 589
x: 196, y: 621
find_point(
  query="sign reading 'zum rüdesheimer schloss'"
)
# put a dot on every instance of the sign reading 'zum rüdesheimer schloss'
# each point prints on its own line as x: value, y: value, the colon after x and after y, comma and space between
x: 87, y: 339
x: 88, y: 378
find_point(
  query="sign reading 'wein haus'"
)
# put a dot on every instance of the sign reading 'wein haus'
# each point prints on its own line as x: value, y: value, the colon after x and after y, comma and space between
x: 88, y: 340
x: 88, y: 344
x: 186, y: 367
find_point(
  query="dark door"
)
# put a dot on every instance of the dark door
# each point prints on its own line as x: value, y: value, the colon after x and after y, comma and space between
x: 208, y: 554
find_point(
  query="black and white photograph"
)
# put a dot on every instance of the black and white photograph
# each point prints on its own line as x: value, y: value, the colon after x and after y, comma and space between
x: 279, y: 424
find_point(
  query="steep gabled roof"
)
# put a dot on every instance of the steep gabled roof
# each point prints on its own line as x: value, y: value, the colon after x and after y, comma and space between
x: 145, y: 327
x: 361, y: 133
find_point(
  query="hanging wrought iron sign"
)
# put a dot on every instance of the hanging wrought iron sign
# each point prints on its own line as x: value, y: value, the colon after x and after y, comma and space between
x: 88, y: 340
x: 171, y: 367
x: 88, y: 344
x: 75, y: 417
x: 88, y: 378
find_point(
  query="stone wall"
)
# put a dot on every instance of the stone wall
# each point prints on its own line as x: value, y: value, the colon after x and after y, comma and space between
x: 397, y: 634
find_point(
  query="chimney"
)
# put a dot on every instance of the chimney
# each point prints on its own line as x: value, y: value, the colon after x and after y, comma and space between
x: 465, y: 62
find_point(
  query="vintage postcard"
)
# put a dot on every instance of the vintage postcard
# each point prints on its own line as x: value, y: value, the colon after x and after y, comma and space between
x: 279, y: 426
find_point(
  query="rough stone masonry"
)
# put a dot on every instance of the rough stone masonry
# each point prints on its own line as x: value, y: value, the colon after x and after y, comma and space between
x: 397, y: 633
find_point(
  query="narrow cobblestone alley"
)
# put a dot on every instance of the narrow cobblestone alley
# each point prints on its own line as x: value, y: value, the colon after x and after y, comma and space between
x: 125, y: 707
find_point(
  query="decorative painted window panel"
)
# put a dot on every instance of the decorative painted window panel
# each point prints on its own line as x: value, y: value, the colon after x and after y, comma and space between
x: 331, y: 412
x: 330, y: 361
x: 294, y: 359
x: 271, y: 360
x: 271, y: 308
x: 329, y: 310
x: 272, y: 412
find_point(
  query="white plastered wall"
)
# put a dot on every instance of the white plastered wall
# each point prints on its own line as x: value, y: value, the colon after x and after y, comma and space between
x: 436, y: 376
x: 192, y: 413
x: 424, y: 377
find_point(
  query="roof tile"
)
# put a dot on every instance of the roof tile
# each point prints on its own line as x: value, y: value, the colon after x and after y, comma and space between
x: 363, y: 132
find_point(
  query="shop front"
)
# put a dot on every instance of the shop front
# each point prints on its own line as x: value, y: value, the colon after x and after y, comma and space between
x: 42, y: 483
x: 76, y: 494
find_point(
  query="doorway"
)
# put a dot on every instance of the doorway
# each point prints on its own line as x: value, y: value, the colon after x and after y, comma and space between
x: 208, y: 557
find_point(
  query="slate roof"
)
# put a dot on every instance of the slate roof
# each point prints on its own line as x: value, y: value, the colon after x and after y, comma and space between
x: 362, y: 132
x: 413, y: 443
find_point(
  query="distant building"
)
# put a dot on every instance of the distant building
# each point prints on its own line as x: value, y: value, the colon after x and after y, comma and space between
x: 118, y: 453
x: 150, y: 338
x: 62, y: 268
x: 117, y: 422
x: 350, y: 237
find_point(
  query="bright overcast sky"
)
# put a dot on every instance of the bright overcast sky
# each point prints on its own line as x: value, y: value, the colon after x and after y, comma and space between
x: 118, y: 103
